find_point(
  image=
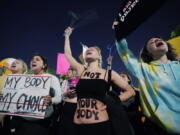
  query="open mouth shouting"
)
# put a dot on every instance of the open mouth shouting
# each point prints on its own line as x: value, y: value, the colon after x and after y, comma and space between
x: 88, y: 53
x: 13, y: 65
x: 159, y: 44
x: 33, y: 65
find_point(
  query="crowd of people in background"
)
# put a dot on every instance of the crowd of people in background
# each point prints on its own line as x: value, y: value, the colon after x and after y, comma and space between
x: 91, y: 100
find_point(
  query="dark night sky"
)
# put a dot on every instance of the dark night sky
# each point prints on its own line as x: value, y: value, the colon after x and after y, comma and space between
x: 31, y: 26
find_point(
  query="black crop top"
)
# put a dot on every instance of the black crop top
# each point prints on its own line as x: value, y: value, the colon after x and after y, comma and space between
x: 92, y: 88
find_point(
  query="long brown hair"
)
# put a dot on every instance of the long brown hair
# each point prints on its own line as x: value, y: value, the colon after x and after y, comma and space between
x: 147, y: 57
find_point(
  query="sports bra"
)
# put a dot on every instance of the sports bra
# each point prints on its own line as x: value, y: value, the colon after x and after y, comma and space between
x: 92, y: 88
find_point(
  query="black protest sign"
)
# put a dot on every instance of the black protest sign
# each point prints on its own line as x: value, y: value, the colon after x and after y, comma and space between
x: 132, y: 13
x: 23, y: 95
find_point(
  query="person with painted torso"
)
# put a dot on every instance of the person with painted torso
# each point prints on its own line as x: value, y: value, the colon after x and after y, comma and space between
x: 35, y: 126
x: 91, y: 116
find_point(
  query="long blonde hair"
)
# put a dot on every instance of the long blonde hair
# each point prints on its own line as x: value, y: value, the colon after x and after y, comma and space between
x: 99, y: 52
x: 25, y: 68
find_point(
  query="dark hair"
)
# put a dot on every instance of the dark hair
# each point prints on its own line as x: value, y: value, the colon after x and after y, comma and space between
x: 128, y: 76
x: 45, y: 62
x: 147, y: 57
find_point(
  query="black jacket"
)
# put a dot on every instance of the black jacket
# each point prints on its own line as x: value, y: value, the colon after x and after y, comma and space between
x: 116, y: 112
x: 118, y: 116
